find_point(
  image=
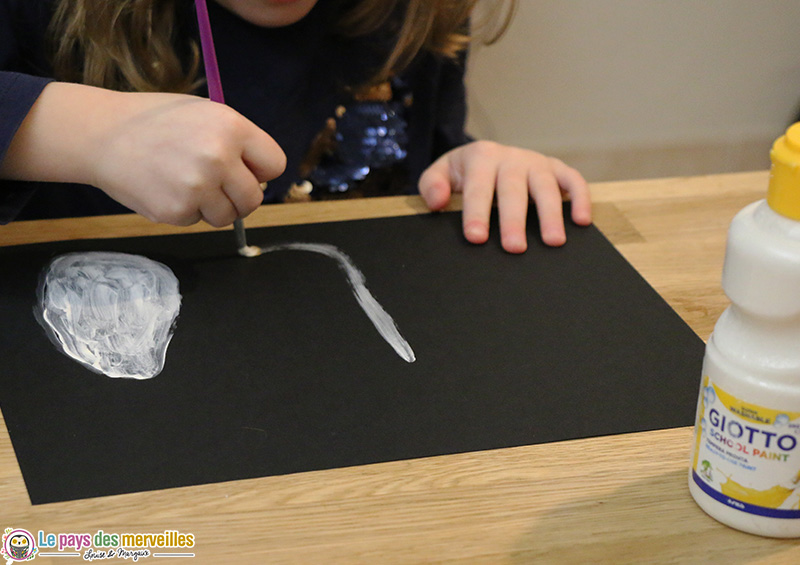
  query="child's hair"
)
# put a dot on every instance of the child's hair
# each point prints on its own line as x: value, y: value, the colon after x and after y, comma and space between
x: 129, y: 44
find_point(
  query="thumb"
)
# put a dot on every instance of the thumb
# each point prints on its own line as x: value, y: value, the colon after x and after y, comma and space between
x: 434, y: 184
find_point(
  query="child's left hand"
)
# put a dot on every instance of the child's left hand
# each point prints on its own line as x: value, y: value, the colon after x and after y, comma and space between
x: 481, y: 168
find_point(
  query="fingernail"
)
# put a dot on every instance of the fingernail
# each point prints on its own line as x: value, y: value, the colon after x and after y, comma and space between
x: 475, y: 232
x: 516, y: 245
x: 554, y: 239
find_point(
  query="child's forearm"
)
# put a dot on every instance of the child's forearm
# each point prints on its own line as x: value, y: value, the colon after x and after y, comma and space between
x: 173, y: 158
x: 55, y: 140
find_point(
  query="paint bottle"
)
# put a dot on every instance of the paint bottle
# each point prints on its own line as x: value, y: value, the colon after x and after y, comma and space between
x: 745, y: 469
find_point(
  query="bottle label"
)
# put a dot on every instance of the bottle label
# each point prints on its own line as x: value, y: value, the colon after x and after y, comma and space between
x: 747, y: 456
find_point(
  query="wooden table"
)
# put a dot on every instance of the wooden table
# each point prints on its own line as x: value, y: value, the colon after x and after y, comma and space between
x: 619, y: 499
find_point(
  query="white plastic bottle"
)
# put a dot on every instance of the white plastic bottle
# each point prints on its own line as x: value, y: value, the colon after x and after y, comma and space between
x: 745, y: 469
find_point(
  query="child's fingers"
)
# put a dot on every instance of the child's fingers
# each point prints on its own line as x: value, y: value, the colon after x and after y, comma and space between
x: 434, y: 184
x: 480, y: 181
x: 175, y: 213
x: 512, y: 207
x: 573, y: 183
x: 480, y: 169
x: 262, y: 155
x: 243, y: 190
x: 547, y: 195
x: 217, y: 209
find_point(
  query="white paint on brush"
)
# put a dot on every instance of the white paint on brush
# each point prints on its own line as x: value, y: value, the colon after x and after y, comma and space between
x: 112, y: 312
x: 382, y: 321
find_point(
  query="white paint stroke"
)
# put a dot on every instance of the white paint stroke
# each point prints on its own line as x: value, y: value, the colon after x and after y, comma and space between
x: 382, y: 321
x: 112, y: 312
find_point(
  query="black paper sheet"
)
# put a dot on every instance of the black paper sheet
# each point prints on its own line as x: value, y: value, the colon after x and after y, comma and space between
x: 275, y: 369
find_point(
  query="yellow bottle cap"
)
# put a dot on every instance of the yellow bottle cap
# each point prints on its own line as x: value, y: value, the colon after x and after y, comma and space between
x: 783, y: 195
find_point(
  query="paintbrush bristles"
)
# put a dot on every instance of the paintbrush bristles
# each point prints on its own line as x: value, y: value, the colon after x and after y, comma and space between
x: 250, y: 251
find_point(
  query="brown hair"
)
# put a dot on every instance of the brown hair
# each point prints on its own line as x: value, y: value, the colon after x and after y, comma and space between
x: 130, y: 44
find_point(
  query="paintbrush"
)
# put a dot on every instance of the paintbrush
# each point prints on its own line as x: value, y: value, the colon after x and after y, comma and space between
x: 215, y: 93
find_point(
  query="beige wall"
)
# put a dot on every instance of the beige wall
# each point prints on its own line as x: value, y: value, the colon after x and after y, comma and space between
x: 638, y: 88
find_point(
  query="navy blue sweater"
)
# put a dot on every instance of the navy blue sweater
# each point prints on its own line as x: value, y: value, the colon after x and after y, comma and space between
x: 287, y: 80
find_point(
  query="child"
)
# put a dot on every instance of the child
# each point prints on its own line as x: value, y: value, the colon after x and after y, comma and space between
x: 321, y: 96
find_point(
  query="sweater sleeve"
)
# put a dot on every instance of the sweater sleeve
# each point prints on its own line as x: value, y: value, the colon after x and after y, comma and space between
x: 18, y: 92
x: 451, y: 108
x: 18, y: 89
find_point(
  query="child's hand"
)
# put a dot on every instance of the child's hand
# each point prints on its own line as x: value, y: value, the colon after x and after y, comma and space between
x: 172, y: 158
x: 482, y: 168
x: 180, y: 159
